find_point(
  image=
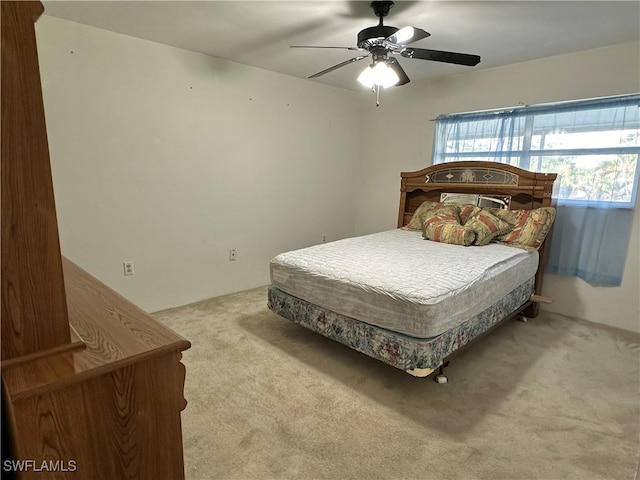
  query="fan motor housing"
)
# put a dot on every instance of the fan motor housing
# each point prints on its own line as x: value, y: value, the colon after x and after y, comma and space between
x: 369, y: 36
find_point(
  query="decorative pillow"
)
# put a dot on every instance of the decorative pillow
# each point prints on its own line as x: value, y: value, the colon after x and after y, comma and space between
x: 416, y: 220
x: 465, y: 212
x: 510, y: 216
x: 449, y: 232
x: 487, y: 226
x: 530, y: 228
x: 442, y: 214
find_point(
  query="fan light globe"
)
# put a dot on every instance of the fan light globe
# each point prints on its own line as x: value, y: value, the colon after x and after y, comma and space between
x: 378, y: 74
x: 366, y: 77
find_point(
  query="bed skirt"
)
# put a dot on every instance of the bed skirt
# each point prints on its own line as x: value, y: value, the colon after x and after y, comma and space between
x: 417, y: 356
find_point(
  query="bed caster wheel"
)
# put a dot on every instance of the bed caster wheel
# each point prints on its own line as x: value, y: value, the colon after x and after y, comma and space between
x: 523, y: 319
x: 441, y: 379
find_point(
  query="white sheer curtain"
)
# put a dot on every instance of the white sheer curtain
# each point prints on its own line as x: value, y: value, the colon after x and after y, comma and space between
x: 593, y: 145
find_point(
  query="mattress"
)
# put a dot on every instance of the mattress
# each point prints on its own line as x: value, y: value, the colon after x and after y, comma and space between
x: 398, y: 281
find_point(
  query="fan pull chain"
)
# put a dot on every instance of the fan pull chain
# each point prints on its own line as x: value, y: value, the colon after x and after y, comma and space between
x: 377, y: 90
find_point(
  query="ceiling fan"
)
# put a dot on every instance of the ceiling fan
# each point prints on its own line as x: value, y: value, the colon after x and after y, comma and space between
x: 381, y: 42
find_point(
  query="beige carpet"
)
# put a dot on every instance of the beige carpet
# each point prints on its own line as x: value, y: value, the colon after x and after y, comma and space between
x: 553, y: 398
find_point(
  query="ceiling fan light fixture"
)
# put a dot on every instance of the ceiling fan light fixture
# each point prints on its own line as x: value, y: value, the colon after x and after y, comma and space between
x: 381, y: 41
x: 378, y: 74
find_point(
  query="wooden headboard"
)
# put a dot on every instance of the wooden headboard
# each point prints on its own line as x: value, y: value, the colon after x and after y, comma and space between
x: 528, y: 190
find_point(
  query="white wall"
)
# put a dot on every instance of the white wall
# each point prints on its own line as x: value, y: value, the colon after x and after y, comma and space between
x: 400, y: 138
x: 170, y: 158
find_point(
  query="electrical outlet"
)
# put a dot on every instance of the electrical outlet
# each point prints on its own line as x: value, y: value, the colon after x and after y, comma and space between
x: 232, y: 255
x: 128, y: 268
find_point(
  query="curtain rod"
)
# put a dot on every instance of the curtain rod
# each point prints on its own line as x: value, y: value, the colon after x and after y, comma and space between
x: 524, y: 105
x: 489, y: 110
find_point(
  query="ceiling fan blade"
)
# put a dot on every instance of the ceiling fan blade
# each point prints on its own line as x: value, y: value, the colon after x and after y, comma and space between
x: 396, y: 67
x: 347, y: 62
x: 316, y: 46
x: 441, y: 56
x: 407, y: 35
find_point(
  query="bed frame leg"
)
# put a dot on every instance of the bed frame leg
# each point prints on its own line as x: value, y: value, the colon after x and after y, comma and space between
x: 440, y: 376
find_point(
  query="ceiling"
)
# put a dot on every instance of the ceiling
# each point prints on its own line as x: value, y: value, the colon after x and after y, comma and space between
x: 259, y: 33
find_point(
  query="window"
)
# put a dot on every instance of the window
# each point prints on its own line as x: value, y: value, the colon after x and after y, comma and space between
x: 593, y: 145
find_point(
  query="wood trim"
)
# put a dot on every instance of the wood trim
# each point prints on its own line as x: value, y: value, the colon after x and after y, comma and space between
x: 477, y: 187
x: 75, y: 344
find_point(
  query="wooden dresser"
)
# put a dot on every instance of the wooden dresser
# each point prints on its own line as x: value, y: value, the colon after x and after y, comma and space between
x: 92, y: 386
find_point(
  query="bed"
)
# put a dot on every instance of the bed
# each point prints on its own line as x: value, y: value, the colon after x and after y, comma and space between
x: 468, y: 253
